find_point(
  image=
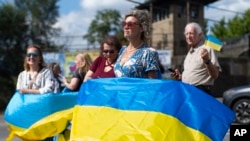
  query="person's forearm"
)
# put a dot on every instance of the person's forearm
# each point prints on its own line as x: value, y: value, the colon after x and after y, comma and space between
x: 86, y: 78
x: 88, y: 75
x: 29, y: 91
x: 152, y: 74
x: 212, y: 70
x: 73, y: 84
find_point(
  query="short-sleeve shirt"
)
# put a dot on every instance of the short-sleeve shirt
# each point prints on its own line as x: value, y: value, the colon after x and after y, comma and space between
x: 195, y: 71
x: 98, y: 66
x: 76, y: 74
x: 137, y: 66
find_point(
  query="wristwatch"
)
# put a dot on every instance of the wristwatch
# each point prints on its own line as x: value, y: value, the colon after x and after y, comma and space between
x: 208, y: 62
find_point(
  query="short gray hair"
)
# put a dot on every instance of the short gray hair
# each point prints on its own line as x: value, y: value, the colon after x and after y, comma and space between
x: 143, y: 18
x: 197, y: 27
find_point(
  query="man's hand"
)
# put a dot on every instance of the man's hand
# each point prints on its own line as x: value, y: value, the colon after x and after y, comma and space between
x: 204, y: 55
x: 176, y: 74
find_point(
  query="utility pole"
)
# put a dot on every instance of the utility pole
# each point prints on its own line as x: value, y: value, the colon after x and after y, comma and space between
x: 188, y: 11
x: 150, y: 23
x: 248, y: 53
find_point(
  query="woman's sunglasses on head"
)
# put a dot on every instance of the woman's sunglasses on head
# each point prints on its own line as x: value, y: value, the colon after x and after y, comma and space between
x: 33, y: 54
x: 129, y: 24
x: 109, y: 51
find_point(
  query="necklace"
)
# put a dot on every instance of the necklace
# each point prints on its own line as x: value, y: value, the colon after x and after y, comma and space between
x: 134, y: 48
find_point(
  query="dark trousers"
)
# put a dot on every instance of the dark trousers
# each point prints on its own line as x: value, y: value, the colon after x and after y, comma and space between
x: 205, y: 88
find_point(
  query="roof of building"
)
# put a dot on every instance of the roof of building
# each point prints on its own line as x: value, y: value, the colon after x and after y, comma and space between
x: 166, y: 2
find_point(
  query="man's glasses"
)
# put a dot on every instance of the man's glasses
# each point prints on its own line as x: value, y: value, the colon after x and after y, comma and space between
x: 109, y: 51
x: 129, y: 24
x: 33, y: 54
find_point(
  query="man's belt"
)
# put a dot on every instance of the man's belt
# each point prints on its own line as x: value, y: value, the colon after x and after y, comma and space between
x: 206, y: 88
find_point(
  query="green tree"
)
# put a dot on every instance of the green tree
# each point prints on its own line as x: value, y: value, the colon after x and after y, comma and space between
x: 21, y: 24
x: 41, y: 16
x: 106, y: 22
x: 236, y: 26
x: 13, y: 39
x: 220, y: 29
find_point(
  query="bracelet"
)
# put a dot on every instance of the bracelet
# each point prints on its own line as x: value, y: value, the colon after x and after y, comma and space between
x: 207, y: 62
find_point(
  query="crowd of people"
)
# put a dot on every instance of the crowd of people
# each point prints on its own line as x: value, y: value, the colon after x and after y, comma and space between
x: 136, y: 60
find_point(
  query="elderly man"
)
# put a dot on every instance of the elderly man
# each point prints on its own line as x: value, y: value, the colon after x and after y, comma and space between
x: 201, y: 66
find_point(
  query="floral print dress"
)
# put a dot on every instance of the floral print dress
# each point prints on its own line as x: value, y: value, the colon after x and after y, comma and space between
x: 137, y: 66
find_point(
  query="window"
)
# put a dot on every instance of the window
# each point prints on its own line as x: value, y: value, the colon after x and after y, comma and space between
x: 194, y: 11
x: 181, y: 11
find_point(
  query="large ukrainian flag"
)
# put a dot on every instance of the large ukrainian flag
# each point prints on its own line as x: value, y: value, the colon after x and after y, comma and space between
x: 129, y: 109
x: 36, y: 117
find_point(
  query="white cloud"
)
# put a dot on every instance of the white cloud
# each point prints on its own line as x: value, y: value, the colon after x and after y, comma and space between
x: 73, y: 27
x: 227, y: 9
x: 76, y: 23
x: 94, y: 5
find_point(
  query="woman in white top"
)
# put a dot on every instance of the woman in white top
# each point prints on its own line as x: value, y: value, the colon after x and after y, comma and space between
x: 36, y: 78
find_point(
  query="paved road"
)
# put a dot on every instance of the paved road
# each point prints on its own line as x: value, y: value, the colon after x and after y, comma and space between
x: 4, y: 131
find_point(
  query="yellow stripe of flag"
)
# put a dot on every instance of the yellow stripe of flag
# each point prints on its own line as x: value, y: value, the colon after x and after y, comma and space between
x: 213, y: 43
x: 98, y: 123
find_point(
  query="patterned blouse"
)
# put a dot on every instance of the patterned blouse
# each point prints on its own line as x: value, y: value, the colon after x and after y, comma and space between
x: 137, y: 66
x: 44, y: 81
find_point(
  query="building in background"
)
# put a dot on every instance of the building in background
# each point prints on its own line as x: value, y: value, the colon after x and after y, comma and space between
x: 169, y: 18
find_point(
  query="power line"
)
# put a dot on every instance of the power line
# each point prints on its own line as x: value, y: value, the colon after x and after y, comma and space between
x: 236, y: 12
x: 134, y: 1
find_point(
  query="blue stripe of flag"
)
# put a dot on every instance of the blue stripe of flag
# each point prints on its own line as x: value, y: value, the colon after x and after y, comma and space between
x: 214, y: 40
x: 190, y: 105
x: 24, y: 110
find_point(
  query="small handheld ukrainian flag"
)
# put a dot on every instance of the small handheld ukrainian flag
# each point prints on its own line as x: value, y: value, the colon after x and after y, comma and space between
x: 213, y: 42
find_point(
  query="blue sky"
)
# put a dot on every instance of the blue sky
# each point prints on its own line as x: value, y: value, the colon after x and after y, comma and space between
x: 76, y: 15
x: 66, y: 6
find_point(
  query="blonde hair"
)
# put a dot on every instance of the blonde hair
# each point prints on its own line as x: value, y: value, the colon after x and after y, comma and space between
x: 40, y: 55
x: 86, y: 65
x: 143, y: 18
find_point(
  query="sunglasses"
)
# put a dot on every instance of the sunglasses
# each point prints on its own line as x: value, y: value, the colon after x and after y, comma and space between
x: 33, y: 54
x: 109, y: 51
x: 129, y: 24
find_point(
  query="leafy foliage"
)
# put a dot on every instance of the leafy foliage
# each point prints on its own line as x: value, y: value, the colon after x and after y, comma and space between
x: 236, y: 26
x: 106, y: 22
x: 21, y: 24
x: 40, y: 15
x: 13, y: 38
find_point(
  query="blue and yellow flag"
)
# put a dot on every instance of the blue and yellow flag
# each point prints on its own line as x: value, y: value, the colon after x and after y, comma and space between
x: 37, y: 117
x: 115, y: 109
x: 213, y: 42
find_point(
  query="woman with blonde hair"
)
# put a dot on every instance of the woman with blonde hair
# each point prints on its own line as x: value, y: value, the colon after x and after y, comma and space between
x: 137, y: 60
x: 36, y: 78
x: 83, y: 63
